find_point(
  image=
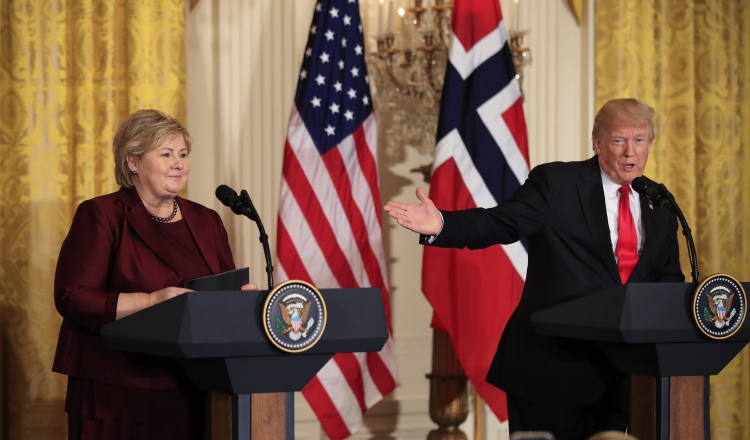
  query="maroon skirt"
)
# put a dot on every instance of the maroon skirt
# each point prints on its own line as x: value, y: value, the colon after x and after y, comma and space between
x: 99, y: 411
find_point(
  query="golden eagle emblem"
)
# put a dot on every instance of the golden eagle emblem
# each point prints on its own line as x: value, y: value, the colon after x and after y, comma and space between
x: 720, y: 303
x: 294, y: 311
x: 718, y: 306
x: 294, y: 316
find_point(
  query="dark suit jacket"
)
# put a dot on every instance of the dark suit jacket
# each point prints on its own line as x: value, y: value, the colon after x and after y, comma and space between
x: 560, y: 210
x: 114, y: 247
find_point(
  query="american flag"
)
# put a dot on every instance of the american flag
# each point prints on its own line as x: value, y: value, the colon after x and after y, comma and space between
x: 329, y: 229
x: 481, y: 158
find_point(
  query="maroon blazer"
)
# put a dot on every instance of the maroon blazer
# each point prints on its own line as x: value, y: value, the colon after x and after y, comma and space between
x: 114, y: 247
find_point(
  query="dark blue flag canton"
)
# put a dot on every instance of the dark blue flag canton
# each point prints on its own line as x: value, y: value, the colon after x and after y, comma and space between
x: 333, y: 93
x: 462, y: 98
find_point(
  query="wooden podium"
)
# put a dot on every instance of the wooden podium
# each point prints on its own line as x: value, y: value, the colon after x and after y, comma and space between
x: 648, y: 331
x: 218, y: 340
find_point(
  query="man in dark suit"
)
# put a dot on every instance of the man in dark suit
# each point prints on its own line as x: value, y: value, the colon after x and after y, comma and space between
x: 586, y: 231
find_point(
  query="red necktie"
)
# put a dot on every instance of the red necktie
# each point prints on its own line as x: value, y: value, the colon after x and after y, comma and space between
x: 627, y: 241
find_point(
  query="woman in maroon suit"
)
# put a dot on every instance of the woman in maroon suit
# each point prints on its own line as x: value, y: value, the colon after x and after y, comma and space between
x: 127, y: 251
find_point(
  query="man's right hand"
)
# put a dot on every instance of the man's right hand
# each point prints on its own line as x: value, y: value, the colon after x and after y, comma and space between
x: 423, y: 218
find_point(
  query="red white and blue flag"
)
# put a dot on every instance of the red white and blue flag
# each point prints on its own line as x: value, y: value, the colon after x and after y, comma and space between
x: 481, y: 158
x: 329, y: 226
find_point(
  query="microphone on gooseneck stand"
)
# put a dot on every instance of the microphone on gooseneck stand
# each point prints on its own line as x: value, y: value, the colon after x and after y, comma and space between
x: 228, y: 197
x: 242, y: 205
x: 658, y: 194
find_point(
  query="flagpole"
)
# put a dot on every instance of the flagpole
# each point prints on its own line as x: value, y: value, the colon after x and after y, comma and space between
x: 449, y: 402
x: 478, y: 415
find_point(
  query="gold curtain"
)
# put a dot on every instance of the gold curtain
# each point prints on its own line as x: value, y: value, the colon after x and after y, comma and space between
x: 690, y: 61
x: 69, y: 72
x: 577, y: 7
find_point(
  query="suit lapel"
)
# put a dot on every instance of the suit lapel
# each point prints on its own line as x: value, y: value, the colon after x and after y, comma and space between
x: 194, y: 220
x: 145, y: 227
x: 595, y: 211
x: 148, y: 230
x: 647, y: 218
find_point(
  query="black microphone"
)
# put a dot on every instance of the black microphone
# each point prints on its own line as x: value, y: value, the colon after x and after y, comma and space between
x: 242, y: 205
x: 228, y: 197
x: 656, y: 192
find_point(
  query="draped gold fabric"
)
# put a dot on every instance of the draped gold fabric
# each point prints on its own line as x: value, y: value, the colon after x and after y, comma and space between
x: 577, y: 7
x: 69, y: 72
x: 690, y: 61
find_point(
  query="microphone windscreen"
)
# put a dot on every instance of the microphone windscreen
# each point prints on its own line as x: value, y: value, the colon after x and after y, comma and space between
x: 653, y: 191
x: 643, y: 184
x: 225, y: 194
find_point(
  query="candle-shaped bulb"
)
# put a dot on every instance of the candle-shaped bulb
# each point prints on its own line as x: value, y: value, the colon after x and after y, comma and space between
x: 380, y: 16
x: 390, y: 16
x: 428, y: 11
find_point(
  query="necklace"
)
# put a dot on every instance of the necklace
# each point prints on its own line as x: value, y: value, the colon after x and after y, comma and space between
x: 165, y: 219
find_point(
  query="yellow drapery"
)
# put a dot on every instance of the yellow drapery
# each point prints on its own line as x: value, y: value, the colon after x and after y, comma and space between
x: 576, y: 6
x: 69, y: 72
x: 690, y: 61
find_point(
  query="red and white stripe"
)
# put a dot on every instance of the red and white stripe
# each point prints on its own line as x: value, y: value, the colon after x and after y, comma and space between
x: 330, y: 234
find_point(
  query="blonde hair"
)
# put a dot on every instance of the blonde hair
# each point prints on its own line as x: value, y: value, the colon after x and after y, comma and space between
x: 627, y: 111
x: 139, y: 133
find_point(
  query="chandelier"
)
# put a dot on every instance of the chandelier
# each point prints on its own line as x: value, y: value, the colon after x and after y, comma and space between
x: 408, y: 68
x: 410, y: 62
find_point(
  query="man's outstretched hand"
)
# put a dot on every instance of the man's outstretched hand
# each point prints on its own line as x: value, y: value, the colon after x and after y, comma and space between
x: 423, y: 218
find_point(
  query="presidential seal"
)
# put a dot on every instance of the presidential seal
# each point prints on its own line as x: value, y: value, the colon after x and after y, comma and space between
x: 719, y: 306
x: 294, y: 316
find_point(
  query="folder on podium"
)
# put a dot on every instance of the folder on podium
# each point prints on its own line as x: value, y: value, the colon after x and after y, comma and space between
x: 648, y: 331
x: 217, y: 339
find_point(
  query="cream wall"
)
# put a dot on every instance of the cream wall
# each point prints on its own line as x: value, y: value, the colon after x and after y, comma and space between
x: 243, y: 59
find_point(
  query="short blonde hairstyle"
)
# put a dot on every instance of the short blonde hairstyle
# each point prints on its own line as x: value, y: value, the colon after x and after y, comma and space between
x: 626, y: 111
x: 138, y: 134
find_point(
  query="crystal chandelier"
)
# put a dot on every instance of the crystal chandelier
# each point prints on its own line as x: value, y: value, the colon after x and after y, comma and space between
x: 521, y: 54
x: 410, y: 63
x: 408, y: 68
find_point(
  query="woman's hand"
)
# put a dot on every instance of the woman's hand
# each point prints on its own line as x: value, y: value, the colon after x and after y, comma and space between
x: 424, y: 218
x: 167, y: 293
x: 129, y: 303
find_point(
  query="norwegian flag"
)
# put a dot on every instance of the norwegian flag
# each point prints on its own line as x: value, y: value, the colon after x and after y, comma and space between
x: 329, y: 226
x: 481, y: 158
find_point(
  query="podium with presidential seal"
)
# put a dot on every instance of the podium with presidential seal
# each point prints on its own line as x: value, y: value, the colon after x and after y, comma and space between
x: 248, y: 343
x: 669, y: 337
